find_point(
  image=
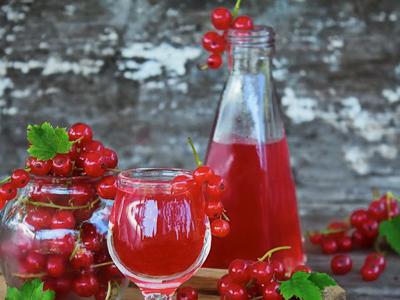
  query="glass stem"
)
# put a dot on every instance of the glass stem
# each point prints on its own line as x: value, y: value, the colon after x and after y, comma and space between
x: 157, y: 297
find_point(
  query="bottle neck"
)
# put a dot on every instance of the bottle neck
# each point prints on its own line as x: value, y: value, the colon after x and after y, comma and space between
x: 250, y: 60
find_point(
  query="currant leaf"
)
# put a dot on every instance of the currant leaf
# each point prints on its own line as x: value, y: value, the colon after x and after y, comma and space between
x: 390, y: 230
x: 47, y: 141
x: 322, y: 280
x: 31, y: 290
x: 300, y: 286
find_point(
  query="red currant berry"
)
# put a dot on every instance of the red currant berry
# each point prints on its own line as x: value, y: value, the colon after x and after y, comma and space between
x: 64, y: 245
x: 358, y: 217
x: 63, y: 285
x: 370, y: 271
x: 63, y: 219
x: 344, y: 243
x: 62, y: 165
x: 302, y: 268
x: 8, y: 191
x: 113, y: 272
x: 243, y: 23
x: 56, y: 266
x: 377, y: 210
x: 93, y: 164
x: 74, y: 152
x: 376, y: 258
x: 215, y: 186
x: 329, y: 245
x: 39, y: 167
x: 223, y: 284
x: 88, y: 229
x: 213, y: 42
x: 220, y: 228
x: 261, y: 271
x: 186, y: 293
x: 81, y: 194
x: 221, y: 18
x: 202, y: 174
x: 92, y: 146
x: 279, y: 270
x: 338, y: 229
x: 35, y: 262
x: 92, y: 242
x: 270, y: 292
x: 370, y: 229
x: 214, y: 209
x: 238, y: 271
x: 83, y: 259
x: 106, y: 188
x: 315, y: 238
x: 341, y: 264
x: 80, y: 131
x: 359, y: 240
x: 214, y: 61
x: 101, y: 293
x: 235, y: 292
x: 39, y: 218
x: 20, y: 178
x: 110, y: 158
x: 86, y: 285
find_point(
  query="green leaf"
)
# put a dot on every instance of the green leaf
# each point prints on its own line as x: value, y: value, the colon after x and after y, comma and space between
x: 47, y: 141
x: 390, y: 230
x: 300, y: 286
x: 322, y: 280
x: 31, y: 290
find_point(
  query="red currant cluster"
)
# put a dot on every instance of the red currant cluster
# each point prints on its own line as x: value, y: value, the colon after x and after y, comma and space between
x: 186, y: 293
x: 360, y: 232
x: 62, y: 219
x: 215, y: 188
x: 255, y: 279
x: 215, y: 43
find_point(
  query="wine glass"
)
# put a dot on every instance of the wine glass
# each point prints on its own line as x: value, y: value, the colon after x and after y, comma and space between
x: 159, y: 234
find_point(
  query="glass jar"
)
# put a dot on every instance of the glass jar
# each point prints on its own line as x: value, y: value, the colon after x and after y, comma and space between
x: 248, y: 148
x: 56, y: 231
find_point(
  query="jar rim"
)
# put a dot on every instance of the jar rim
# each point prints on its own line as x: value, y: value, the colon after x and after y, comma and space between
x: 260, y: 36
x: 152, y: 175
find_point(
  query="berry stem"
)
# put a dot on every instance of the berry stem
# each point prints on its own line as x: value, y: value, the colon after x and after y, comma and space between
x: 202, y: 67
x: 375, y: 193
x: 104, y: 264
x: 236, y: 9
x: 52, y: 205
x: 225, y: 216
x: 272, y: 251
x: 28, y: 275
x: 5, y: 180
x: 389, y: 199
x: 195, y: 154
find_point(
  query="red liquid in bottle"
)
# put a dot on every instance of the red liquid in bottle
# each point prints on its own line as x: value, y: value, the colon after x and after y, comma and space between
x: 158, y: 233
x: 260, y: 202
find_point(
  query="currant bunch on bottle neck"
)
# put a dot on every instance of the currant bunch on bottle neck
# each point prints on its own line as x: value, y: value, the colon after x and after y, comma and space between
x: 215, y: 42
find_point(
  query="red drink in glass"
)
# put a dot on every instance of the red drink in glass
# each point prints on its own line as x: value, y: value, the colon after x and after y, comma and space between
x: 159, y: 233
x: 260, y: 201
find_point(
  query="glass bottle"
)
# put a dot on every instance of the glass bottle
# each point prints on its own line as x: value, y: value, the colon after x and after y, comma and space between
x: 248, y: 148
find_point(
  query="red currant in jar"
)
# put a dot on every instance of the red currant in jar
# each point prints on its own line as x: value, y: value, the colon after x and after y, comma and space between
x: 213, y: 42
x: 63, y: 219
x: 341, y: 264
x: 220, y: 228
x: 20, y: 178
x: 35, y: 262
x: 186, y: 293
x: 39, y: 167
x: 214, y: 61
x: 221, y: 18
x: 86, y: 285
x: 243, y: 23
x: 56, y: 266
x: 92, y: 242
x: 81, y: 132
x: 81, y: 194
x: 238, y: 271
x: 63, y: 285
x: 106, y: 188
x: 39, y: 218
x: 82, y: 259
